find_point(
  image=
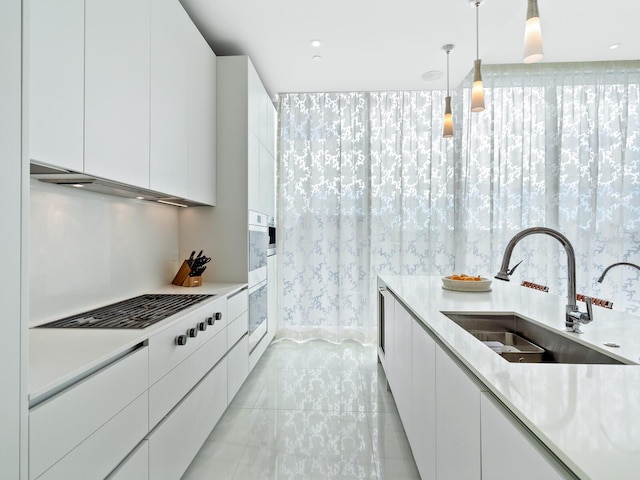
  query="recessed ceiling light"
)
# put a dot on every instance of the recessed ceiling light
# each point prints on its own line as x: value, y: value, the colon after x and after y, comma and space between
x: 431, y: 75
x: 78, y: 185
x: 315, y: 43
x: 139, y: 198
x: 316, y: 58
x: 613, y: 46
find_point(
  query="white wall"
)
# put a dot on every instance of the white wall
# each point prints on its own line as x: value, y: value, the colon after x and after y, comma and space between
x: 88, y: 249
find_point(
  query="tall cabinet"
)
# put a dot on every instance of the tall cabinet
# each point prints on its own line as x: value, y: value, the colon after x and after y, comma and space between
x: 246, y: 170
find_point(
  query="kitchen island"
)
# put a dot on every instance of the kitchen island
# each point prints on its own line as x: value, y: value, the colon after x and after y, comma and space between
x: 581, y: 419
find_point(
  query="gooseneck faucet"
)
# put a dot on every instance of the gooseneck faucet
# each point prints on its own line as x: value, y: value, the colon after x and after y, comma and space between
x: 615, y: 265
x: 573, y: 317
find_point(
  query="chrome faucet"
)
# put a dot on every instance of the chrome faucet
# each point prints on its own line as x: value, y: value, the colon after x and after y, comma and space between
x: 615, y: 265
x: 573, y: 317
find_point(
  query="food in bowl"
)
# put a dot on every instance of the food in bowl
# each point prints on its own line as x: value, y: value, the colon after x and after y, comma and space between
x: 465, y: 278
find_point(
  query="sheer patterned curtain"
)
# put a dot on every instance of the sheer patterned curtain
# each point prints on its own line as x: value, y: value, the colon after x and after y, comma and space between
x: 557, y: 146
x: 367, y: 185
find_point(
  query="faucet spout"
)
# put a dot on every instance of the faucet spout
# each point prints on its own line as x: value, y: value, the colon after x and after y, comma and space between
x: 615, y: 265
x: 573, y: 316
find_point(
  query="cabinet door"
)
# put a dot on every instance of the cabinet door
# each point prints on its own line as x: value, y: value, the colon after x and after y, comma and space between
x: 117, y: 90
x: 403, y: 372
x: 253, y: 172
x: 272, y: 294
x: 254, y: 101
x: 174, y: 443
x: 389, y: 336
x: 202, y: 121
x: 169, y: 119
x: 56, y: 89
x: 271, y: 127
x: 238, y: 367
x: 422, y: 437
x: 267, y: 181
x: 509, y: 452
x: 135, y: 466
x: 458, y: 421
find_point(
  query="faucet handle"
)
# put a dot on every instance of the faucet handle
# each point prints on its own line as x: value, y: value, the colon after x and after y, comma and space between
x: 587, y: 317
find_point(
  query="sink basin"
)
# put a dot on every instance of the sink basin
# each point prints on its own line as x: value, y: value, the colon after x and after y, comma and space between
x: 556, y: 348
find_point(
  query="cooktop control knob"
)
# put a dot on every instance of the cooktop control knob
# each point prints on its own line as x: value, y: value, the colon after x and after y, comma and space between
x: 192, y: 332
x: 181, y: 340
x: 210, y: 320
x: 218, y: 315
x: 202, y: 326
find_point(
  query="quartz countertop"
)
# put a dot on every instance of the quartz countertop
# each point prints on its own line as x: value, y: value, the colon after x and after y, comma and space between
x: 58, y: 356
x: 587, y: 415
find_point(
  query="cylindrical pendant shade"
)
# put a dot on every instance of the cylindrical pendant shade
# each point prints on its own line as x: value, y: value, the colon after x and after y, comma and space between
x: 477, y: 93
x: 447, y: 129
x: 532, y: 41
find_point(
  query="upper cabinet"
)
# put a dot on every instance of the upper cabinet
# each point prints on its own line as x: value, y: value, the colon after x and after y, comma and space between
x: 183, y: 106
x: 117, y: 90
x: 56, y: 87
x: 124, y: 90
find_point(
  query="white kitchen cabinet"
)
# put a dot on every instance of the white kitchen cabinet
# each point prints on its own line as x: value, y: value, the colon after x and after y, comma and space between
x: 201, y: 161
x: 169, y: 101
x: 403, y: 371
x: 135, y: 466
x: 56, y: 83
x: 238, y: 367
x: 267, y: 181
x: 272, y: 295
x: 177, y: 439
x: 508, y: 451
x: 253, y: 173
x: 458, y: 421
x: 117, y: 40
x: 422, y: 434
x: 389, y: 336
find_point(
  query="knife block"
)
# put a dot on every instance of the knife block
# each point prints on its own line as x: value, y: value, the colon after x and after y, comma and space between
x: 183, y: 279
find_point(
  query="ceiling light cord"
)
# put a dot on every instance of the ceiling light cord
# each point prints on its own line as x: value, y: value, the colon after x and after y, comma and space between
x: 477, y: 30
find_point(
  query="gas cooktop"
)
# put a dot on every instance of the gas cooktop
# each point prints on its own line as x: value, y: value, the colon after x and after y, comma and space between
x: 137, y: 312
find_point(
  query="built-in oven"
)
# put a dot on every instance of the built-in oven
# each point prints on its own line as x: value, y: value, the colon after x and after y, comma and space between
x: 257, y: 314
x: 271, y: 250
x: 258, y: 247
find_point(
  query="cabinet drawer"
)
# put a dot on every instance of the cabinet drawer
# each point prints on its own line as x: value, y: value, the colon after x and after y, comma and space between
x: 62, y: 422
x: 170, y: 389
x: 237, y: 329
x: 104, y: 450
x: 237, y: 367
x: 177, y: 439
x: 238, y: 304
x: 135, y: 466
x: 165, y: 354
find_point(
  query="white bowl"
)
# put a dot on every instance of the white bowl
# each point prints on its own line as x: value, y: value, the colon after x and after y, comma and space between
x: 483, y: 285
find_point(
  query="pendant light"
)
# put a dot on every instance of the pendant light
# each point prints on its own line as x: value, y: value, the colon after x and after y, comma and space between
x: 477, y: 93
x: 447, y: 128
x: 532, y: 34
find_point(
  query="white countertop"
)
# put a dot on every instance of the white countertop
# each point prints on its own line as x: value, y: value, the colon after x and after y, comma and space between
x: 57, y: 356
x: 588, y: 415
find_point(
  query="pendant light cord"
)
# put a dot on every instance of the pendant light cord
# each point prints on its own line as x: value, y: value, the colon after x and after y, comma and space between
x: 448, y: 72
x: 477, y: 30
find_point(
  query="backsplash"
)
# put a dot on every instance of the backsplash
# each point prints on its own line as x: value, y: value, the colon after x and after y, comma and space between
x: 88, y: 249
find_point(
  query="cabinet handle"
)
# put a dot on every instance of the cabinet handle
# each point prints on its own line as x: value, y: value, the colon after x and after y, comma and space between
x: 181, y: 340
x: 192, y: 332
x: 202, y: 326
x: 210, y: 320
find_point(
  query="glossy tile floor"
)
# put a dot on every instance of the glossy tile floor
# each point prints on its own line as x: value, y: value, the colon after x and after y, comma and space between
x: 309, y: 411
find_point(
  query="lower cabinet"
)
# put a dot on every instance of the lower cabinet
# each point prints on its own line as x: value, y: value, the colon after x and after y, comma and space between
x: 422, y: 436
x: 508, y: 452
x: 238, y: 366
x: 458, y: 421
x: 135, y: 466
x: 175, y: 441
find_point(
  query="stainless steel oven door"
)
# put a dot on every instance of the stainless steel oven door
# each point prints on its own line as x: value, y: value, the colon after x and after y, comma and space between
x: 258, y: 245
x: 257, y: 314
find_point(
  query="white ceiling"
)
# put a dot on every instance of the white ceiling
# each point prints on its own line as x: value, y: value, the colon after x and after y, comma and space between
x: 387, y: 45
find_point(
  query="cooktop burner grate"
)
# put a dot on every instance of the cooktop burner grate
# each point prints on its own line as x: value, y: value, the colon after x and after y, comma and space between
x: 137, y: 312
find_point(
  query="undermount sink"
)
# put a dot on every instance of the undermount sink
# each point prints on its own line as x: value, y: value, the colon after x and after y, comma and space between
x: 522, y: 336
